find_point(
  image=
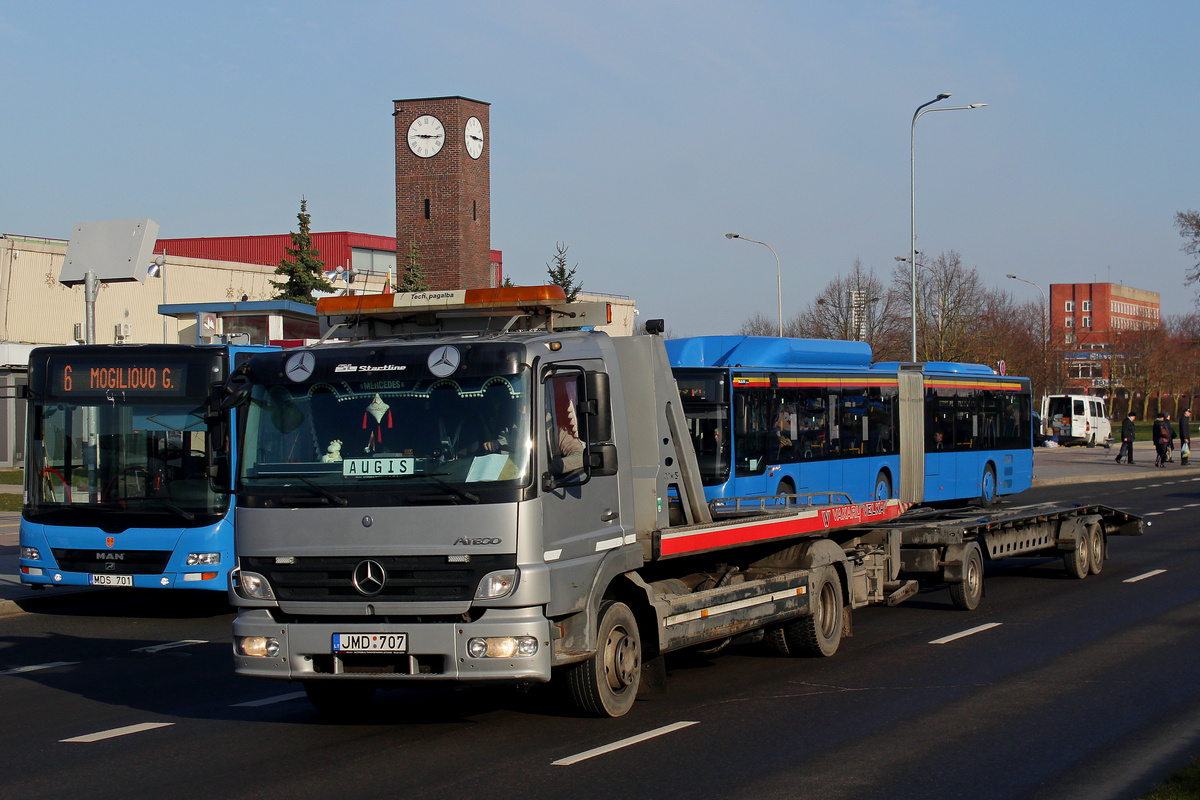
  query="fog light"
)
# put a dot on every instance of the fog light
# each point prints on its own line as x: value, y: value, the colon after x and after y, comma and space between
x: 31, y: 553
x: 502, y: 647
x: 254, y: 586
x: 256, y: 646
x: 200, y: 559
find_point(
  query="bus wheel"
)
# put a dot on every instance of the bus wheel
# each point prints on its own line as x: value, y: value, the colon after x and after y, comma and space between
x: 339, y: 698
x: 1096, y: 544
x: 1078, y: 561
x: 821, y: 633
x: 987, y: 490
x: 966, y: 595
x: 883, y: 486
x: 607, y: 683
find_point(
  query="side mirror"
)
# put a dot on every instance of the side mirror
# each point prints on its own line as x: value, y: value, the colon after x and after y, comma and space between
x: 598, y: 407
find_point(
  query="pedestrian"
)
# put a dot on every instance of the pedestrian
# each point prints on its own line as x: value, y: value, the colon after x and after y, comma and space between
x: 1170, y: 438
x: 1128, y: 434
x: 1185, y: 436
x: 1159, y: 435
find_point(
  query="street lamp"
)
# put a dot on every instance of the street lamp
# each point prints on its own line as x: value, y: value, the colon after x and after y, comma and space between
x: 912, y: 176
x: 778, y: 273
x: 1045, y: 309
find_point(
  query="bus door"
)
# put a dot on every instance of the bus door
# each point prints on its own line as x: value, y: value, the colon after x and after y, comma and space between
x: 753, y: 418
x: 811, y: 444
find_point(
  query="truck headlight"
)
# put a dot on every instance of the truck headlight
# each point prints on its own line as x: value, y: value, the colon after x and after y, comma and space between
x: 496, y: 584
x: 253, y: 586
x: 257, y: 646
x: 198, y: 559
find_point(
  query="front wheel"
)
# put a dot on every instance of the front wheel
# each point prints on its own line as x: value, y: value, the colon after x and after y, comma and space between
x: 987, y: 486
x: 607, y: 683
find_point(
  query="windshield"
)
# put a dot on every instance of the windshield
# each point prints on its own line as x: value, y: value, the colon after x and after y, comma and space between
x: 428, y: 439
x: 144, y: 459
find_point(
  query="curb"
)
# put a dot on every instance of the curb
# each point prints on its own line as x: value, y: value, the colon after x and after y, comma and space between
x: 1097, y: 478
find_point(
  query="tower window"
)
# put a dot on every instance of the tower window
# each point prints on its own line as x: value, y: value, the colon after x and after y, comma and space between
x: 426, y: 208
x: 473, y: 213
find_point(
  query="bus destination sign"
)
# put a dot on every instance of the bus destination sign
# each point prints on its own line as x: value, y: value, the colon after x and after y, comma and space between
x: 100, y: 378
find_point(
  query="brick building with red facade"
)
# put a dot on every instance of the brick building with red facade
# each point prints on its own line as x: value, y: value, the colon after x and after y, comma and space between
x: 1089, y: 319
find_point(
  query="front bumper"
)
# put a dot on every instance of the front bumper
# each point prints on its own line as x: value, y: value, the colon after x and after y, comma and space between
x: 435, y: 652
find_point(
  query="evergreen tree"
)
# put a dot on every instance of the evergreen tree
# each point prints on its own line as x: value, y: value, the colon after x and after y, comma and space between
x: 302, y: 268
x: 560, y: 275
x: 413, y: 277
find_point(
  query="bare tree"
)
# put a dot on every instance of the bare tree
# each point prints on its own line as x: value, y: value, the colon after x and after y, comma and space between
x: 759, y: 324
x: 854, y: 306
x: 1188, y: 223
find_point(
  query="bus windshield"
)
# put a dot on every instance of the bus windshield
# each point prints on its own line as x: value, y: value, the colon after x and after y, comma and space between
x: 140, y: 458
x: 418, y: 440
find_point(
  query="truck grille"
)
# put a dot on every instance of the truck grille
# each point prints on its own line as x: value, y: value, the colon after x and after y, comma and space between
x: 409, y: 578
x: 113, y: 562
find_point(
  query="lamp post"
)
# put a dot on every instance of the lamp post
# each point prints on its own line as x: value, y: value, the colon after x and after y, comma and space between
x: 778, y: 273
x: 912, y: 182
x: 1045, y: 310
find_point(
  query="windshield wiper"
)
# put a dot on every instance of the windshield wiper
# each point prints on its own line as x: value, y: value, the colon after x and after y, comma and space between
x: 321, y: 490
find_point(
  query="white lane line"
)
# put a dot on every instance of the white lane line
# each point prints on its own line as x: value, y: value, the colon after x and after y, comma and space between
x: 1143, y: 576
x: 266, y: 701
x: 115, y: 732
x: 1175, y: 509
x: 608, y: 748
x: 1154, y: 513
x: 36, y: 667
x: 970, y: 632
x: 155, y: 648
x: 1192, y: 505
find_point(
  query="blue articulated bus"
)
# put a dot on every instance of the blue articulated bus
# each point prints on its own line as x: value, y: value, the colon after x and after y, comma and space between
x: 116, y: 473
x: 774, y: 416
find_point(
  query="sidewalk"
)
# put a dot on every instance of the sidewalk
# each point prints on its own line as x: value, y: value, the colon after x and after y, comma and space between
x: 1051, y: 466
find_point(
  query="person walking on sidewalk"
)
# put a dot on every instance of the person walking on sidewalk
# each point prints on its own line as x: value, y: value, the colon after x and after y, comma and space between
x: 1170, y: 438
x: 1185, y: 436
x: 1159, y: 434
x: 1128, y: 432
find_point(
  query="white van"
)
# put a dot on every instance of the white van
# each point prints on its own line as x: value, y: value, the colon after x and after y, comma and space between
x: 1077, y: 419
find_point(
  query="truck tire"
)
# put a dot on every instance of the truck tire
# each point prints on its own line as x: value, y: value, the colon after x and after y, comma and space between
x: 967, y: 594
x: 339, y: 698
x: 987, y: 487
x: 1096, y: 544
x: 820, y: 633
x: 607, y: 683
x: 1078, y: 561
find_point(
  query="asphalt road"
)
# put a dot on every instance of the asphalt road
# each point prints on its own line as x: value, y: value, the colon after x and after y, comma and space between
x: 1077, y: 689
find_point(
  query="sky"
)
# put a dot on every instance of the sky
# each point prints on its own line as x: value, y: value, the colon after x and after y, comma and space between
x: 638, y: 133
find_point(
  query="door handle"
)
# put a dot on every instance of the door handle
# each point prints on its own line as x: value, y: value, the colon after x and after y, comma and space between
x: 608, y: 515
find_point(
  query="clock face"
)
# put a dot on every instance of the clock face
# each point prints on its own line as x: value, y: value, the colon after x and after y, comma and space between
x: 426, y: 135
x: 473, y: 135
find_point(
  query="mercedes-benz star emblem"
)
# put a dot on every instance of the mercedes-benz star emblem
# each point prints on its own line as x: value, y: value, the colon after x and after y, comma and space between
x: 369, y: 577
x: 300, y: 366
x: 444, y: 360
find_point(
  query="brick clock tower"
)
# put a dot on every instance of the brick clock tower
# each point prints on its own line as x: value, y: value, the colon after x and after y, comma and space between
x: 443, y: 190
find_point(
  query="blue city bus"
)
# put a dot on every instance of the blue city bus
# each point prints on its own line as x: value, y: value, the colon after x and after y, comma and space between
x: 116, y: 474
x: 774, y: 416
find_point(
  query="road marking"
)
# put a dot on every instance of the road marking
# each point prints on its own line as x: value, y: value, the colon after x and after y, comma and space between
x: 1153, y: 514
x: 1192, y: 505
x: 1175, y: 509
x: 155, y: 648
x: 115, y: 732
x: 266, y: 701
x: 952, y: 637
x: 608, y: 748
x: 36, y: 667
x: 1143, y: 576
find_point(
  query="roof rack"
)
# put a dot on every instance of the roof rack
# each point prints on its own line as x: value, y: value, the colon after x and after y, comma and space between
x: 499, y: 310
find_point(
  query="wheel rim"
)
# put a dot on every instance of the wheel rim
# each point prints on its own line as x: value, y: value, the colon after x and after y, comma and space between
x: 620, y: 660
x: 882, y: 490
x: 989, y: 485
x: 1097, y: 549
x: 973, y: 577
x: 828, y: 618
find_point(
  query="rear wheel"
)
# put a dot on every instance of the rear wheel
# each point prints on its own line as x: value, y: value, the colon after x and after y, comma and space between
x: 966, y: 595
x: 883, y: 486
x: 339, y: 698
x: 987, y: 486
x: 1078, y: 561
x: 1096, y: 542
x: 818, y: 634
x: 607, y: 683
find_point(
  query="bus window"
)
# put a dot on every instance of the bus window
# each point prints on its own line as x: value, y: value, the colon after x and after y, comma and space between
x: 812, y: 416
x: 756, y: 413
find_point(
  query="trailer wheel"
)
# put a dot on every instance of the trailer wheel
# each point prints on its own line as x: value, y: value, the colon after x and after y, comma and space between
x: 967, y: 594
x: 344, y: 698
x: 607, y: 683
x: 987, y: 490
x: 883, y: 486
x: 1078, y: 561
x: 1096, y: 544
x: 818, y: 634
